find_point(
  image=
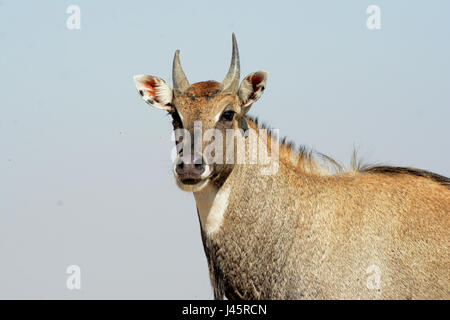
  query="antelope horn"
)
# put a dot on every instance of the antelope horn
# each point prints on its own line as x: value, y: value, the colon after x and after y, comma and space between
x: 231, y: 82
x: 180, y: 82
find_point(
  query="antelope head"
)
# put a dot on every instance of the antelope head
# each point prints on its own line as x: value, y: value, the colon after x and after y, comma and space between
x: 207, y: 106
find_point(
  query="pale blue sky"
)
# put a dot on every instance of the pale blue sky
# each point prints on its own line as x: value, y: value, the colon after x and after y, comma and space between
x: 85, y: 172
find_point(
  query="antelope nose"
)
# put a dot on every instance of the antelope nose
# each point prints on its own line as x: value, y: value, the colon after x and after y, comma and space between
x: 192, y: 169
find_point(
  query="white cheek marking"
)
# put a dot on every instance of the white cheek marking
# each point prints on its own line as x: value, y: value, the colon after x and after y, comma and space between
x: 207, y: 172
x: 217, y: 117
x: 212, y: 204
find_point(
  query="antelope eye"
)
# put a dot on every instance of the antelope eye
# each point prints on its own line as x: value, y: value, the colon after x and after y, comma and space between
x: 228, y: 115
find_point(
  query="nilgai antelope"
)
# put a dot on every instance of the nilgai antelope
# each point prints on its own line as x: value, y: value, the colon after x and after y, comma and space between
x: 299, y: 232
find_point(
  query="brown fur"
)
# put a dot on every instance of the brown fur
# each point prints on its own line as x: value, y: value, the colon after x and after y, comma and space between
x: 305, y: 233
x: 302, y: 234
x: 205, y: 89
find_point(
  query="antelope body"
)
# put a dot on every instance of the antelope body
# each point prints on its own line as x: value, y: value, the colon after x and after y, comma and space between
x: 299, y: 233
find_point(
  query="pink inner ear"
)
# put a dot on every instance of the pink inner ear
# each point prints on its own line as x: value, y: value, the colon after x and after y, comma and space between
x: 255, y: 79
x: 150, y: 84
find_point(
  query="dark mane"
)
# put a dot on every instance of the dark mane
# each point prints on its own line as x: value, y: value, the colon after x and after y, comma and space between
x: 411, y: 171
x: 308, y: 159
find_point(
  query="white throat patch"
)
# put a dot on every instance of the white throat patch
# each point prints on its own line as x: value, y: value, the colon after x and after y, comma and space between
x: 212, y: 203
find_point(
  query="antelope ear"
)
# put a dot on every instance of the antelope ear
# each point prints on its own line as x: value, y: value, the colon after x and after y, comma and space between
x: 155, y: 91
x: 252, y: 87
